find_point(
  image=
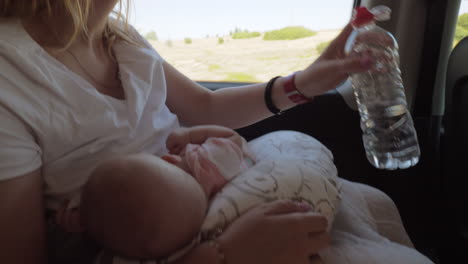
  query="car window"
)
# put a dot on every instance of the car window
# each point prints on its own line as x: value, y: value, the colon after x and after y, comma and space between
x: 240, y: 41
x: 462, y: 24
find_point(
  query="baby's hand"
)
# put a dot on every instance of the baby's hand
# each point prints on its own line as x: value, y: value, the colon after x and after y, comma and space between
x: 177, y: 141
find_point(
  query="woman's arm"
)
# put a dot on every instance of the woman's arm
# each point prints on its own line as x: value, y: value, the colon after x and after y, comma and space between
x: 196, y: 105
x: 241, y: 106
x: 22, y: 223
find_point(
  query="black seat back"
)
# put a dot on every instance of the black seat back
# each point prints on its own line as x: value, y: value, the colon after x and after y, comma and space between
x: 455, y: 158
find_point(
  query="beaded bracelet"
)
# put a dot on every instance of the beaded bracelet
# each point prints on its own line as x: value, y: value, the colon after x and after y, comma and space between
x: 267, y: 96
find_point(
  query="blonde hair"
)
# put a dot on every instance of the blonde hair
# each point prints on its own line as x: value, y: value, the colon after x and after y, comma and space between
x: 78, y: 11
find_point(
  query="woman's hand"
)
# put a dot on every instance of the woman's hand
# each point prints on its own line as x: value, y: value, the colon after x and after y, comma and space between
x: 183, y: 136
x: 275, y: 233
x: 69, y: 219
x: 331, y: 68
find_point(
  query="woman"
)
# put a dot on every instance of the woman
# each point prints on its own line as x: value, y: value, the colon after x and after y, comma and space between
x: 77, y: 87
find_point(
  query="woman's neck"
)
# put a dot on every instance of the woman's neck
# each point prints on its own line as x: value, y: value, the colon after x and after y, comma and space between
x: 55, y: 31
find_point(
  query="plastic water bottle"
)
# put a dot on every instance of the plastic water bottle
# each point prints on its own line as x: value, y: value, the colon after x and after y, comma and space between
x: 389, y: 136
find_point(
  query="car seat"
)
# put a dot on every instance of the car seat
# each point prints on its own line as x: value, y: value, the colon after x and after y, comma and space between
x: 454, y: 211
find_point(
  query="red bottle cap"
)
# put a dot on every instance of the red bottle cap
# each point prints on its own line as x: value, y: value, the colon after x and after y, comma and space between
x: 362, y: 16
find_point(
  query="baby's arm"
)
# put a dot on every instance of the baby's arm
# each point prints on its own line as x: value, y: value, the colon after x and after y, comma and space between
x: 180, y: 137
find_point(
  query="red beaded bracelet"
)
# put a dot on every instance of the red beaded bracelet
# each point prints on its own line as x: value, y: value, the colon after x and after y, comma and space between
x: 292, y: 92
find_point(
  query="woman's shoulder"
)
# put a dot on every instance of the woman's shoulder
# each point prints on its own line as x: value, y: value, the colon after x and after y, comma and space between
x: 128, y: 32
x: 20, y: 55
x: 13, y: 37
x: 133, y: 45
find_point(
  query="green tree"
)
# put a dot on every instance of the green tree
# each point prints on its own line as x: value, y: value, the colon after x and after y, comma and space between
x: 188, y: 41
x: 460, y: 33
x: 239, y: 34
x: 462, y: 28
x: 289, y: 33
x: 463, y: 20
x: 220, y: 41
x: 151, y: 36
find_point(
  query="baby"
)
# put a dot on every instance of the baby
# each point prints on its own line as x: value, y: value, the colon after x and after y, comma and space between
x: 143, y: 206
x: 149, y: 207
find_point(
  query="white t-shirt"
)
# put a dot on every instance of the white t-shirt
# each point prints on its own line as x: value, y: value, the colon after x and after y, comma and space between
x: 52, y: 118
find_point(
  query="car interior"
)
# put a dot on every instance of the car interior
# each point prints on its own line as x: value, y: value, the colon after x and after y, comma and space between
x: 431, y: 196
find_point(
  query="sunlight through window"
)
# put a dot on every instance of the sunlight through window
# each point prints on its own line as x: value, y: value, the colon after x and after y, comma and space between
x: 241, y: 41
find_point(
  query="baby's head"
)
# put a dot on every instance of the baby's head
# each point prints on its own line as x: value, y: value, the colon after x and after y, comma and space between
x: 142, y: 206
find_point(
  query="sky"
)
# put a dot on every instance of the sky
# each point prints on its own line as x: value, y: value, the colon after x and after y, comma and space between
x: 464, y: 7
x: 178, y: 19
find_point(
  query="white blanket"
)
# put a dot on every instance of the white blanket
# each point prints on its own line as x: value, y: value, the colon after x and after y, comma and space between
x: 359, y: 236
x: 289, y: 165
x: 368, y: 229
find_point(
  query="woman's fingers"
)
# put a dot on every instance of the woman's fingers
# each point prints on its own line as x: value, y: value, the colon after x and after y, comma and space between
x: 285, y: 232
x: 332, y: 67
x: 339, y: 68
x: 349, y: 65
x: 296, y: 214
x: 315, y: 223
x: 68, y: 219
x: 344, y: 35
x: 307, y: 231
x: 284, y: 207
x: 306, y: 223
x: 327, y: 74
x: 309, y: 225
x: 318, y: 241
x: 336, y: 48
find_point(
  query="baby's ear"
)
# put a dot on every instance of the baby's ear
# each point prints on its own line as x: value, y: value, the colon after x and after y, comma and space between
x: 173, y: 159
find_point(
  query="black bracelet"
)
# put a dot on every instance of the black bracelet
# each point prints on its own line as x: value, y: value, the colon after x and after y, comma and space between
x: 268, y: 101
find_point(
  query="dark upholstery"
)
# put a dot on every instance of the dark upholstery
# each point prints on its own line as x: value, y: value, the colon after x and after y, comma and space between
x: 455, y: 159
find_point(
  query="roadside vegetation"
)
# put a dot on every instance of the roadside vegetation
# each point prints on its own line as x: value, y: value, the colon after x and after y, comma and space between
x: 289, y: 33
x: 244, y: 34
x: 243, y: 55
x: 462, y: 28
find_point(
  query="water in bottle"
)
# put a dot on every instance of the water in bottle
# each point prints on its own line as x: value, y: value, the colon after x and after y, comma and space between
x: 389, y: 136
